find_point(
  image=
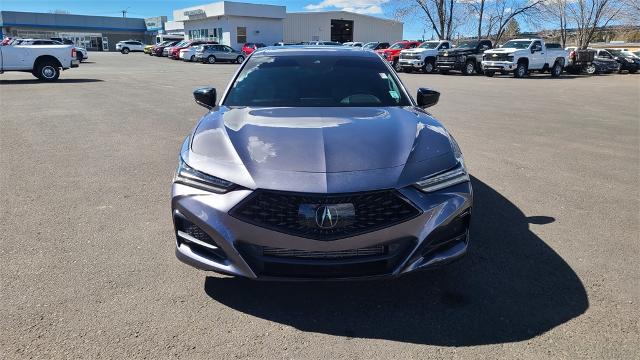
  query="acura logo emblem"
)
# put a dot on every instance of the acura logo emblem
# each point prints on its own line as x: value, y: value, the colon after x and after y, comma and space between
x: 326, y: 216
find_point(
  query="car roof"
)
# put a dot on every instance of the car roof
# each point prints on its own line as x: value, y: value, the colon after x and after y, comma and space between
x: 328, y: 50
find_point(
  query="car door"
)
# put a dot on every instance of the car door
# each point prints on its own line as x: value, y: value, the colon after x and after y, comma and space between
x: 228, y: 52
x: 537, y: 58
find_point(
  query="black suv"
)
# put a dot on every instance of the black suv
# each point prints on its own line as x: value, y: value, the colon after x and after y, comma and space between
x: 465, y: 57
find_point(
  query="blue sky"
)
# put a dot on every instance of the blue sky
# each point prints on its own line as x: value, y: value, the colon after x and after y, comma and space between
x: 149, y: 8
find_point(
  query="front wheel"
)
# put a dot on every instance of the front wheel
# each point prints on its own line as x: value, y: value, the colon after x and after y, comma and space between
x: 192, y: 58
x: 429, y: 66
x: 591, y: 69
x: 240, y: 59
x: 125, y: 51
x: 521, y: 70
x: 556, y: 70
x: 633, y: 71
x: 397, y: 66
x: 211, y: 59
x: 489, y: 73
x: 47, y: 71
x: 469, y: 68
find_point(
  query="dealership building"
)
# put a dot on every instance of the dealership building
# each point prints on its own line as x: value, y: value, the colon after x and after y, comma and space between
x: 234, y: 23
x: 98, y: 33
x: 230, y: 23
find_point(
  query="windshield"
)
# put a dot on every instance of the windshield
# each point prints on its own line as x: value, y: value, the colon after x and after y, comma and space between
x: 517, y: 44
x: 615, y: 52
x: 429, y: 45
x: 315, y: 81
x: 397, y: 46
x: 468, y: 44
x: 371, y: 45
x: 181, y: 43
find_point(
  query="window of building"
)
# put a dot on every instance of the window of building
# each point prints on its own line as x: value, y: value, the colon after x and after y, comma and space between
x: 241, y: 35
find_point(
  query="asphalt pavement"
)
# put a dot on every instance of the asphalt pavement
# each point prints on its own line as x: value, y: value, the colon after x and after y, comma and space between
x: 87, y: 257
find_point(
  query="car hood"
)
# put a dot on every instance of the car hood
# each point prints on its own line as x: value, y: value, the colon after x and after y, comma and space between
x: 320, y: 149
x: 503, y: 50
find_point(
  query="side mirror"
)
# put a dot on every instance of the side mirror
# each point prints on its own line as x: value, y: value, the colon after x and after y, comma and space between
x: 427, y: 97
x: 206, y: 97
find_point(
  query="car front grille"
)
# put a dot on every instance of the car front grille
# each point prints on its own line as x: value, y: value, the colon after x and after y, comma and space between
x: 336, y: 254
x: 497, y: 57
x: 409, y: 56
x: 300, y: 214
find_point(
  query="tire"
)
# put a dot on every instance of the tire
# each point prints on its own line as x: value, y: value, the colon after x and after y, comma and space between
x: 591, y: 69
x: 211, y: 59
x: 633, y: 71
x: 489, y: 73
x: 79, y: 56
x: 192, y: 58
x: 240, y: 59
x: 469, y: 68
x: 125, y: 50
x: 521, y: 70
x: 47, y: 71
x: 396, y: 66
x: 429, y: 66
x: 556, y: 70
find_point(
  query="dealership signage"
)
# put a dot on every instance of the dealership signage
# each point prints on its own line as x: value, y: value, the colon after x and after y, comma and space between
x: 195, y: 12
x: 155, y: 23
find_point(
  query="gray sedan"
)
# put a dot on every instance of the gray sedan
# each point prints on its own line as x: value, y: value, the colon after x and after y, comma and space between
x: 212, y: 54
x: 317, y: 164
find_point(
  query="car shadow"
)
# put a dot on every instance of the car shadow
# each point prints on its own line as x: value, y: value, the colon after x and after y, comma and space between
x: 510, y: 287
x: 36, y: 81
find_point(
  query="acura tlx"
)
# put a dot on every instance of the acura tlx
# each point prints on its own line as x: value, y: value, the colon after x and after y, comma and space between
x: 317, y: 164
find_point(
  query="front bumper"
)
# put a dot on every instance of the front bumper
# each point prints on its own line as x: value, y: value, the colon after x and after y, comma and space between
x: 499, y: 65
x: 438, y: 235
x: 411, y: 63
x: 450, y: 63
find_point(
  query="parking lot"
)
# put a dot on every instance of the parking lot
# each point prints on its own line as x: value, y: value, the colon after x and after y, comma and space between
x: 88, y: 266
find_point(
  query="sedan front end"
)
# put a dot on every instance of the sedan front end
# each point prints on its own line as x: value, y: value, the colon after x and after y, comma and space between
x: 342, y: 181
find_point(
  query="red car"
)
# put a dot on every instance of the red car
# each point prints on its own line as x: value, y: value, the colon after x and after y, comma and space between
x: 174, y: 52
x: 248, y: 48
x: 392, y: 54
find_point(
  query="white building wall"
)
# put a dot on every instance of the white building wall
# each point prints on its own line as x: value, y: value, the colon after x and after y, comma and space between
x: 263, y: 30
x: 314, y: 26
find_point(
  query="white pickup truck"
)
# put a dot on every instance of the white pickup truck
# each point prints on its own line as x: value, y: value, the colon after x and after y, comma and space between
x: 422, y: 57
x: 43, y: 61
x: 521, y: 56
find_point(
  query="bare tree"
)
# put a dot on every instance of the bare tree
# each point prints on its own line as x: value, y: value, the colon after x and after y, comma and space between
x: 589, y: 15
x: 557, y: 10
x: 503, y: 11
x: 440, y: 14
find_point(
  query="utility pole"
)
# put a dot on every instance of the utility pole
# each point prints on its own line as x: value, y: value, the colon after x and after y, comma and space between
x: 124, y: 12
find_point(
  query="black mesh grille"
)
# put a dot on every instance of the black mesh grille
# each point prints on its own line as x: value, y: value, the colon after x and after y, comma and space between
x: 283, y: 212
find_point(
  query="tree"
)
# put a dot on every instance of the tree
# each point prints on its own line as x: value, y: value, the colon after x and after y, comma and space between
x: 588, y: 15
x: 503, y: 11
x: 513, y: 28
x: 440, y: 14
x: 557, y: 11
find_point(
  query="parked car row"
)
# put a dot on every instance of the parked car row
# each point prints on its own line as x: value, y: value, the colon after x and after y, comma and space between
x: 519, y: 57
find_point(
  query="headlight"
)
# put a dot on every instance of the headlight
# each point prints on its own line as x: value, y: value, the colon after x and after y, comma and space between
x: 454, y: 176
x: 189, y: 176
